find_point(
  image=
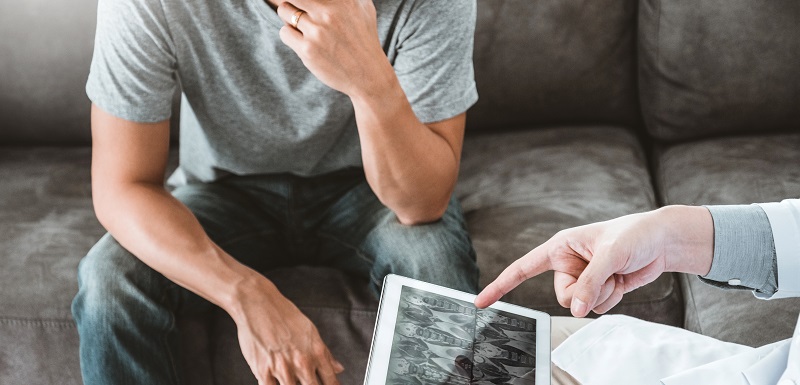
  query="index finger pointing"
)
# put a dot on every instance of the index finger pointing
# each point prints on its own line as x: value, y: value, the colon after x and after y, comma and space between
x: 328, y: 367
x: 530, y: 265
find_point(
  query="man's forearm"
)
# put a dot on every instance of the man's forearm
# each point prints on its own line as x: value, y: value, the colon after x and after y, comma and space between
x: 411, y: 168
x: 165, y: 235
x: 278, y: 342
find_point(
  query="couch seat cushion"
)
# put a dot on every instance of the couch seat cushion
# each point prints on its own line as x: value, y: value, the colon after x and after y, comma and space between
x: 737, y: 170
x: 46, y: 225
x: 518, y: 189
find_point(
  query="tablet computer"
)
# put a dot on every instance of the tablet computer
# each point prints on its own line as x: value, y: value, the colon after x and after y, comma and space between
x: 431, y: 335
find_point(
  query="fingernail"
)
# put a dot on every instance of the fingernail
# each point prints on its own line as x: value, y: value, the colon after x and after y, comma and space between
x: 578, y: 307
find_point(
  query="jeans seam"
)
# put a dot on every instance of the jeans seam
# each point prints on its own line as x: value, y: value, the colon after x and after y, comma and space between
x: 359, y: 253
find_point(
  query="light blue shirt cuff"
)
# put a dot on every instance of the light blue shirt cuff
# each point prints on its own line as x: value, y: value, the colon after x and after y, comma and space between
x: 744, y: 250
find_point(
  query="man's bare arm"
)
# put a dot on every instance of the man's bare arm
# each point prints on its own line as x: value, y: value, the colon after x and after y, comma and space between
x: 411, y: 166
x: 128, y: 164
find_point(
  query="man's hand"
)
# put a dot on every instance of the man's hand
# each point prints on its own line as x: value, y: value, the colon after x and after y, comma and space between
x: 596, y: 264
x: 338, y: 42
x: 279, y: 342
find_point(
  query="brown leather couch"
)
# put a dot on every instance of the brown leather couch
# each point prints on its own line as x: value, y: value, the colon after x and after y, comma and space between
x: 589, y: 110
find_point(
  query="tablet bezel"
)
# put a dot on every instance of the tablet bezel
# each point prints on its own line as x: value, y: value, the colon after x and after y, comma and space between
x: 380, y: 351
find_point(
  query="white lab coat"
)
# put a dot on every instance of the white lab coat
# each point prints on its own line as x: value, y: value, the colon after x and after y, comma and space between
x: 621, y: 350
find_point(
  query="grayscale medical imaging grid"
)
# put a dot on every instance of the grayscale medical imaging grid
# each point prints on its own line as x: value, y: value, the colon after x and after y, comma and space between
x: 440, y: 340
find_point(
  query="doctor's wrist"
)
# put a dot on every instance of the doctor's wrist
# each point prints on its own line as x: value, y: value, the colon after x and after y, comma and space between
x: 688, y: 238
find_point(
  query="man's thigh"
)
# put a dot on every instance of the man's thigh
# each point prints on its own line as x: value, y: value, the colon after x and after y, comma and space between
x: 360, y: 234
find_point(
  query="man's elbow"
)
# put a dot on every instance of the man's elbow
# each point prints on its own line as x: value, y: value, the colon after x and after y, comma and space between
x: 416, y: 216
x: 103, y: 207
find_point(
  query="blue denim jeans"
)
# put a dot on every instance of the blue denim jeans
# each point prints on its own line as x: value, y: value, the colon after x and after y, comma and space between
x: 125, y: 311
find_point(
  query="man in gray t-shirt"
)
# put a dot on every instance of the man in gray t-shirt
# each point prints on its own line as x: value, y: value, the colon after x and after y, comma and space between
x: 312, y: 132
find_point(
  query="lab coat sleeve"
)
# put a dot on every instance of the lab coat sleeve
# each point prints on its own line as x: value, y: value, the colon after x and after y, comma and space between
x: 784, y: 219
x: 792, y: 374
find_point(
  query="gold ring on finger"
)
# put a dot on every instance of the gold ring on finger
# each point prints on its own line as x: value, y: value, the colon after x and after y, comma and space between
x: 296, y: 18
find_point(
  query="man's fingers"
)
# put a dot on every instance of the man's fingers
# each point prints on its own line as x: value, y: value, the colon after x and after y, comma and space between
x: 291, y: 37
x: 306, y: 371
x: 532, y: 264
x: 614, y: 297
x: 590, y: 284
x: 307, y: 5
x: 283, y: 372
x: 268, y: 379
x: 335, y: 364
x: 564, y: 285
x: 326, y: 373
x: 286, y: 12
x: 327, y: 366
x: 607, y: 290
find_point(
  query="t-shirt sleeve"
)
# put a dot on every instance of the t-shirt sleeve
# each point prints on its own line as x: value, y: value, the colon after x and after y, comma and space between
x: 132, y: 75
x: 434, y: 58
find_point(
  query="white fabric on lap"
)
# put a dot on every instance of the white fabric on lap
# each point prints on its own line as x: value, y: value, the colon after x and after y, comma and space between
x: 620, y: 350
x: 792, y: 373
x: 731, y: 370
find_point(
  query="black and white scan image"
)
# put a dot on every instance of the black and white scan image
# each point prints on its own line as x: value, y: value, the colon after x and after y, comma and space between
x: 441, y: 340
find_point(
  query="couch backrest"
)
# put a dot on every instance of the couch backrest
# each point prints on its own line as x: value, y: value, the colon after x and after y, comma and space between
x: 704, y: 67
x: 710, y: 67
x: 45, y: 51
x: 555, y: 63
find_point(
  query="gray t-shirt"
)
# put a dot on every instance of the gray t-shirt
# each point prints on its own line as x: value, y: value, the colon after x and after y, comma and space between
x: 249, y: 104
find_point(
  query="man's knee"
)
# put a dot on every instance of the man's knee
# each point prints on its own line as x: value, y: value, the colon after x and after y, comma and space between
x: 439, y: 253
x: 109, y: 278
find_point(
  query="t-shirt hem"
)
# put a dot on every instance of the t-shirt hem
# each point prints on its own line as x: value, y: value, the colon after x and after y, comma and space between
x: 126, y: 112
x: 438, y: 113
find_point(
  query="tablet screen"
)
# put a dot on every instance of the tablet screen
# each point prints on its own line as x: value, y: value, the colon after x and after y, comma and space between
x: 442, y: 340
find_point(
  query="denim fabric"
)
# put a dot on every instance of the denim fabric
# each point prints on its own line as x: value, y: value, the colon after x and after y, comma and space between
x: 125, y: 311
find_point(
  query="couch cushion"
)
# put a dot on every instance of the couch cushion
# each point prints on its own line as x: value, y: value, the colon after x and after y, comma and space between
x: 46, y: 225
x: 564, y: 62
x: 733, y: 171
x: 518, y: 189
x: 719, y: 66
